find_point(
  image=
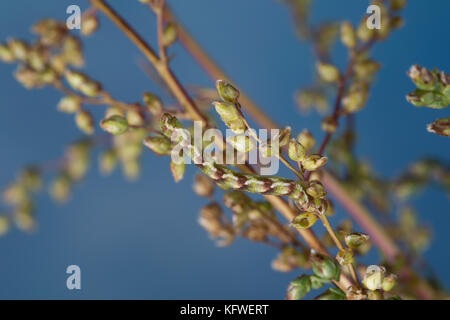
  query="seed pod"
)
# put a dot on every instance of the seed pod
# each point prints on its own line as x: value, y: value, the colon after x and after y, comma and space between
x: 325, y: 267
x: 89, y: 25
x: 389, y: 282
x: 348, y: 34
x: 440, y: 127
x: 227, y: 92
x: 230, y: 115
x: 298, y: 288
x: 316, y: 282
x: 356, y: 98
x: 169, y: 34
x: 356, y: 239
x: 69, y: 104
x: 316, y: 189
x: 160, y: 145
x: 296, y: 151
x: 178, y: 170
x: 108, y: 161
x: 328, y: 72
x: 153, y: 103
x: 85, y: 121
x: 314, y: 162
x: 345, y: 256
x: 373, y: 277
x: 306, y: 139
x: 203, y: 186
x: 115, y: 125
x: 242, y: 143
x: 304, y: 220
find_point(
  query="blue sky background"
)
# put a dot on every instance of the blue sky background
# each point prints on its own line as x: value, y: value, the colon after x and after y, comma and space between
x: 141, y: 240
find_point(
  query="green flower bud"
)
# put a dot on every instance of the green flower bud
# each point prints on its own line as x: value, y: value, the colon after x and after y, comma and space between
x: 227, y: 92
x: 356, y: 239
x: 345, y: 256
x: 298, y: 288
x: 306, y: 139
x: 169, y: 35
x: 324, y: 267
x: 108, y: 161
x: 366, y: 69
x: 284, y: 137
x: 69, y: 104
x: 316, y: 189
x: 328, y: 72
x: 296, y: 151
x: 230, y: 115
x: 90, y: 88
x: 423, y: 78
x: 304, y: 220
x: 203, y: 186
x: 329, y: 124
x: 316, y: 282
x: 75, y: 79
x: 440, y: 127
x: 160, y: 145
x: 169, y: 124
x: 314, y: 162
x: 348, y: 34
x: 242, y: 143
x: 373, y: 277
x: 332, y: 294
x: 177, y: 170
x: 19, y: 49
x: 60, y: 188
x: 114, y: 111
x: 89, y: 25
x: 389, y: 282
x: 115, y: 125
x: 85, y: 122
x: 153, y: 103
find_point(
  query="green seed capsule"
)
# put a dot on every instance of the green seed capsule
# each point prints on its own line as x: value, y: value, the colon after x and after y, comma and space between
x: 373, y: 277
x: 296, y: 151
x: 314, y: 162
x: 298, y: 288
x: 177, y: 170
x: 316, y: 189
x: 115, y: 125
x: 227, y: 92
x: 169, y: 35
x: 242, y: 143
x: 325, y: 267
x: 328, y: 72
x: 160, y: 145
x: 345, y: 256
x: 356, y: 239
x: 304, y: 220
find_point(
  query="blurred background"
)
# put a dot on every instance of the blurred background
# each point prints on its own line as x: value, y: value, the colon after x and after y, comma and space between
x: 142, y: 240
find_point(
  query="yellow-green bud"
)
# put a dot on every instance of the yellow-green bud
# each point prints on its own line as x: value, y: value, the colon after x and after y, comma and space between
x: 89, y: 25
x: 75, y: 79
x: 31, y: 178
x: 227, y: 92
x: 6, y: 55
x: 348, y: 34
x: 242, y: 143
x: 296, y: 151
x: 230, y: 115
x: 314, y: 162
x: 389, y: 282
x: 90, y: 88
x: 107, y: 161
x: 364, y: 33
x: 345, y: 256
x: 153, y: 103
x: 316, y: 189
x: 114, y: 125
x: 329, y: 124
x: 60, y: 188
x: 131, y: 169
x: 19, y: 49
x: 304, y: 220
x: 356, y: 239
x: 398, y: 4
x: 168, y: 124
x: 306, y: 139
x: 284, y: 137
x: 160, y: 145
x: 328, y: 72
x: 298, y: 288
x: 169, y: 35
x: 135, y: 118
x: 69, y: 104
x: 324, y: 267
x: 85, y: 121
x: 4, y: 225
x: 203, y: 186
x: 177, y: 170
x: 373, y: 277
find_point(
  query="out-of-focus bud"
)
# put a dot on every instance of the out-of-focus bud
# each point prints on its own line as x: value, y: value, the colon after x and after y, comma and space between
x: 230, y: 115
x: 107, y: 161
x: 332, y: 294
x: 89, y: 25
x: 356, y: 98
x: 283, y: 137
x: 135, y: 118
x: 6, y: 55
x: 314, y: 162
x: 115, y: 125
x: 290, y: 259
x: 298, y: 288
x: 203, y: 186
x: 82, y: 83
x: 364, y: 33
x: 211, y: 220
x: 19, y: 49
x: 330, y: 208
x: 227, y: 91
x: 169, y: 34
x: 60, y: 188
x: 24, y: 218
x: 366, y: 69
x: 85, y: 122
x: 356, y: 294
x: 31, y: 178
x: 73, y: 51
x: 304, y: 220
x: 356, y: 239
x: 296, y: 151
x: 375, y: 295
x: 373, y: 278
x: 440, y: 127
x: 75, y: 79
x: 328, y: 72
x: 324, y: 267
x: 242, y: 143
x: 178, y: 170
x: 69, y: 104
x: 329, y: 124
x: 306, y: 139
x: 396, y: 22
x: 398, y: 4
x: 316, y: 189
x: 15, y: 194
x: 131, y: 169
x: 345, y: 256
x: 348, y: 34
x: 389, y: 282
x: 91, y: 88
x: 159, y: 145
x: 114, y: 111
x: 153, y: 103
x: 4, y: 224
